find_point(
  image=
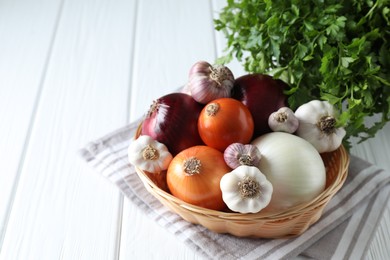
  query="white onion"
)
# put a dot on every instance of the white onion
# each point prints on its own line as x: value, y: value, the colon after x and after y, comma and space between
x: 293, y: 166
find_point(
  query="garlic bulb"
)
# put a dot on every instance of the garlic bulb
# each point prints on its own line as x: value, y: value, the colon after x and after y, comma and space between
x: 246, y: 189
x: 186, y: 89
x: 148, y: 154
x: 283, y: 120
x: 317, y: 125
x: 238, y: 154
x: 207, y: 82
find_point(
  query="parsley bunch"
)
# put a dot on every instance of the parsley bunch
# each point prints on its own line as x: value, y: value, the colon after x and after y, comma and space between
x: 335, y: 50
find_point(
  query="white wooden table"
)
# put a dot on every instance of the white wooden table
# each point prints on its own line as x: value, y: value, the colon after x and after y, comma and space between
x: 72, y: 71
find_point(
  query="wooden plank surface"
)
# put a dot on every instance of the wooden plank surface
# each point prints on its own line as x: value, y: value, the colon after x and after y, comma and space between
x: 174, y: 42
x: 72, y: 71
x: 61, y: 209
x: 168, y: 39
x: 377, y: 151
x: 22, y: 68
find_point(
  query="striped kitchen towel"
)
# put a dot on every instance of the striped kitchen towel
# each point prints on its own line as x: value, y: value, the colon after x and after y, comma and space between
x: 344, y: 230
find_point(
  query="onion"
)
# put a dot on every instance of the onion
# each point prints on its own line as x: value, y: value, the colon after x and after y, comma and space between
x: 263, y: 95
x: 173, y: 121
x: 293, y: 166
x: 194, y: 176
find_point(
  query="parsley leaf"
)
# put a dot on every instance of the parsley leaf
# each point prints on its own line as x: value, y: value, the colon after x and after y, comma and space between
x: 324, y: 49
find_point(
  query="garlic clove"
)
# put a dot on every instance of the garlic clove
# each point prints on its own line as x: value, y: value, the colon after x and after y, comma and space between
x: 230, y: 184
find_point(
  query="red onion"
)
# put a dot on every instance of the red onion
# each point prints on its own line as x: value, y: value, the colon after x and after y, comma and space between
x: 173, y: 121
x: 263, y: 95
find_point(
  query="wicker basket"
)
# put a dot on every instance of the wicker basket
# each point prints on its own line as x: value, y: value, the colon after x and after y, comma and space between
x: 289, y: 223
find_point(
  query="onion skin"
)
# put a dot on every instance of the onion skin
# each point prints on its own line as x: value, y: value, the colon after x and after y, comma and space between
x: 293, y: 166
x: 173, y: 121
x: 263, y: 95
x: 225, y: 121
x: 201, y: 186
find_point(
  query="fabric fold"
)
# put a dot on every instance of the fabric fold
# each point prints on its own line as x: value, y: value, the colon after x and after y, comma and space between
x: 339, y: 232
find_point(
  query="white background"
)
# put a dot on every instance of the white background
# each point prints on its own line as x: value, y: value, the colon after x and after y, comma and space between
x: 72, y: 71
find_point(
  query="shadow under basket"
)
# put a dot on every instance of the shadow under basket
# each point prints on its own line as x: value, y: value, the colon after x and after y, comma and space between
x: 289, y: 223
